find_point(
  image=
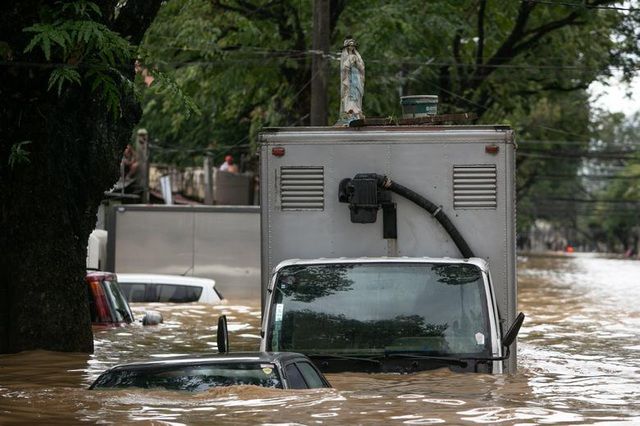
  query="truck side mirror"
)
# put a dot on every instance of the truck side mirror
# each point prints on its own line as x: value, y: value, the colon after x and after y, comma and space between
x: 223, y: 335
x: 511, y: 335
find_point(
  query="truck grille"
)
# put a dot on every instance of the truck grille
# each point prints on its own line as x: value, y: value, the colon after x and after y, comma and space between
x: 475, y: 187
x: 302, y: 188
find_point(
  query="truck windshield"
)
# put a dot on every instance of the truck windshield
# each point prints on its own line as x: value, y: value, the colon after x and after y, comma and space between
x: 380, y: 308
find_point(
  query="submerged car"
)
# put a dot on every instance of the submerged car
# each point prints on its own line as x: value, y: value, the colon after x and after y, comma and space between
x: 147, y: 288
x: 106, y: 303
x: 281, y: 370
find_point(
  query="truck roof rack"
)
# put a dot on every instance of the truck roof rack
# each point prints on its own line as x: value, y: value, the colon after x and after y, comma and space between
x: 416, y: 121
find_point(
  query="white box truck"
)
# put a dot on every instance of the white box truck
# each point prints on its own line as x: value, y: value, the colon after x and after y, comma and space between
x: 390, y: 249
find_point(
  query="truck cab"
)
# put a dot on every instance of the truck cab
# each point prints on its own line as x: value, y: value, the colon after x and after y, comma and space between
x: 347, y: 314
x: 390, y: 248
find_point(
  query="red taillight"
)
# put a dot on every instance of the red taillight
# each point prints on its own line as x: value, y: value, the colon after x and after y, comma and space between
x: 277, y: 151
x: 491, y: 149
x: 102, y: 313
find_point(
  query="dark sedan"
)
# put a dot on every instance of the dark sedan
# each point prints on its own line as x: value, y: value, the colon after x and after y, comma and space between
x: 283, y: 370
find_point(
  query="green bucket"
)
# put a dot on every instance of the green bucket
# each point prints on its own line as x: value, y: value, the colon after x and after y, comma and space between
x: 419, y: 106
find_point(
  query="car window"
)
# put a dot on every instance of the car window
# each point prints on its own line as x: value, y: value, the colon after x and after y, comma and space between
x: 193, y: 377
x: 217, y: 293
x: 294, y: 377
x: 177, y: 293
x: 119, y: 304
x: 310, y: 374
x: 133, y: 292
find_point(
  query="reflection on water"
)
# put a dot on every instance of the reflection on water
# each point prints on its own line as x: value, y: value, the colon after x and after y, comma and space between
x: 579, y: 357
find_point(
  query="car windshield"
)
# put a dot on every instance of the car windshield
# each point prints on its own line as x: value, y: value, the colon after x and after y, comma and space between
x: 117, y: 301
x: 193, y: 377
x: 380, y: 308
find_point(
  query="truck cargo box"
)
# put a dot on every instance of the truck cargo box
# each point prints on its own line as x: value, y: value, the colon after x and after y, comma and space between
x: 467, y: 171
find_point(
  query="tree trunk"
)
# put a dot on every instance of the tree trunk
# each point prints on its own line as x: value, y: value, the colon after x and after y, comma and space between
x: 49, y: 208
x: 50, y: 195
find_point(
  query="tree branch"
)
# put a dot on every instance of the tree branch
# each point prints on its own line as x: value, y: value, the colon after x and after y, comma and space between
x: 480, y: 47
x: 522, y: 190
x: 335, y: 10
x: 536, y: 34
x: 297, y: 29
x: 505, y: 52
x: 134, y: 18
x: 484, y: 102
x: 555, y: 87
x: 520, y: 39
x: 247, y: 9
x: 539, y: 32
x: 462, y: 74
x: 444, y: 82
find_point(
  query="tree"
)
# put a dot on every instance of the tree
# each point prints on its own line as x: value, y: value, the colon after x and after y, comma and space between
x: 247, y: 63
x: 615, y: 213
x: 67, y: 112
x: 551, y: 137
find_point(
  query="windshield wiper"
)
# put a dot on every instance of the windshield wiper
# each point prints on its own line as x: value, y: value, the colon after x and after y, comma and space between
x: 344, y: 357
x: 445, y: 360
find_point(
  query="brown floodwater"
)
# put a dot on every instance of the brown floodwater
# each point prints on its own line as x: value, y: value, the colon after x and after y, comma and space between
x: 579, y: 363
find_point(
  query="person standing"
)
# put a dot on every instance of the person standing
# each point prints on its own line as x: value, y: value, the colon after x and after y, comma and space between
x: 130, y: 163
x: 142, y: 149
x: 228, y: 165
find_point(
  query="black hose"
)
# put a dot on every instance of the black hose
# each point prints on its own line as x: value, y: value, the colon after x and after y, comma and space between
x: 436, y: 211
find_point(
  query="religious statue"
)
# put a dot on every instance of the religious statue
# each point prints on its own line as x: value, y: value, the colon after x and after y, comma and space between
x: 351, y: 83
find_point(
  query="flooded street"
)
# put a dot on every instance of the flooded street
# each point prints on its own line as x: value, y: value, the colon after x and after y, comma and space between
x: 579, y: 362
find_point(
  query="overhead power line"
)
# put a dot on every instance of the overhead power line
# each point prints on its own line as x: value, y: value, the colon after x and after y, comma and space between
x: 585, y: 5
x: 590, y: 201
x: 590, y: 177
x: 560, y: 155
x: 263, y: 60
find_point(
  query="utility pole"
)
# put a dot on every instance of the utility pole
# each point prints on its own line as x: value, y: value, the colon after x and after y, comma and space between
x: 319, y: 63
x: 208, y: 179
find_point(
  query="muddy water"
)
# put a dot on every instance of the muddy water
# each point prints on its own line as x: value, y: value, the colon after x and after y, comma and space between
x: 579, y: 356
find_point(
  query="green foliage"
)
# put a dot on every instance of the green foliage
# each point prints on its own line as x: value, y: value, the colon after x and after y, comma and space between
x: 550, y: 132
x: 167, y: 87
x: 615, y: 215
x: 247, y: 63
x: 61, y: 75
x: 108, y: 88
x: 83, y: 49
x: 18, y: 154
x: 238, y: 69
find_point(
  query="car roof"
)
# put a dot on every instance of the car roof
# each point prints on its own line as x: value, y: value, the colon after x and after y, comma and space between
x: 100, y: 274
x: 165, y: 279
x: 257, y: 357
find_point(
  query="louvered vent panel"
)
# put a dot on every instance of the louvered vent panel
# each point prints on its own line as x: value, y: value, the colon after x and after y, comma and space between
x: 475, y: 187
x: 302, y: 188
